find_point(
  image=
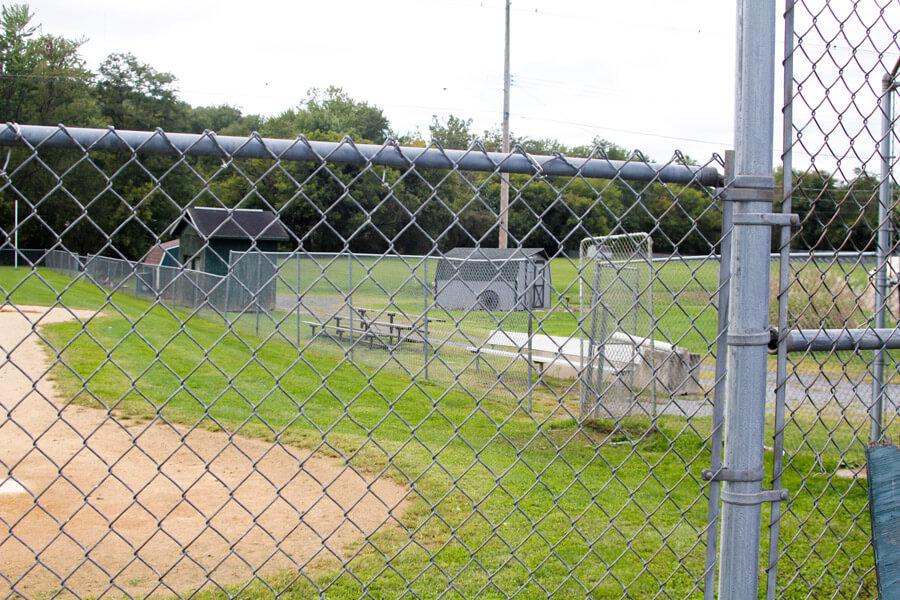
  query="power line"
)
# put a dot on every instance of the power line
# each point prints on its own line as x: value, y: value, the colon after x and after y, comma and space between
x: 629, y: 131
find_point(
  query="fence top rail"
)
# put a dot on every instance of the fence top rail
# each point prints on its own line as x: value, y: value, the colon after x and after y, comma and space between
x: 389, y: 154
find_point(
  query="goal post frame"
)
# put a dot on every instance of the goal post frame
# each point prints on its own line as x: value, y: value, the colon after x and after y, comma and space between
x: 599, y: 322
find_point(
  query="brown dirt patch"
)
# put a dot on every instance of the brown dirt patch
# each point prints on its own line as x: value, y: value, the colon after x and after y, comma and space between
x: 99, y: 507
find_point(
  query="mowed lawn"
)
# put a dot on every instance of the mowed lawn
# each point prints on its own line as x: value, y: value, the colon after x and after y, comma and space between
x: 683, y: 293
x: 825, y: 293
x: 502, y: 502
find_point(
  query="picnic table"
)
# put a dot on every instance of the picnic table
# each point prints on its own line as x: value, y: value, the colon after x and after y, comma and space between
x: 369, y: 323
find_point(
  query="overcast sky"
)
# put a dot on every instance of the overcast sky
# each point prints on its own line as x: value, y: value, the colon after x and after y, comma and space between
x: 654, y: 75
x: 657, y: 75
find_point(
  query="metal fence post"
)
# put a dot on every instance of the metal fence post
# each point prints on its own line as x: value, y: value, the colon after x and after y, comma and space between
x: 15, y: 225
x: 654, y: 325
x: 425, y: 314
x: 529, y: 306
x: 715, y: 444
x: 748, y: 332
x: 882, y: 250
x: 350, y: 295
x: 256, y: 290
x: 299, y: 300
x: 783, y: 285
x: 229, y: 275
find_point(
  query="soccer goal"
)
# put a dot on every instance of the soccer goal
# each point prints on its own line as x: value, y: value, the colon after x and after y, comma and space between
x: 617, y: 322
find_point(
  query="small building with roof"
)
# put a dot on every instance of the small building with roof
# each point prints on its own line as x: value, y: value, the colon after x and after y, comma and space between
x: 206, y: 239
x: 208, y: 235
x: 159, y: 267
x: 164, y: 254
x: 493, y: 279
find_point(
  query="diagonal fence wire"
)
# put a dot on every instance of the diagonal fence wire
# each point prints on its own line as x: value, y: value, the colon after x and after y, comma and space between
x: 318, y: 418
x: 838, y: 179
x: 322, y: 415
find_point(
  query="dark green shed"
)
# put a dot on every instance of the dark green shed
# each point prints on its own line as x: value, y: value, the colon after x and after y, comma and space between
x: 207, y: 235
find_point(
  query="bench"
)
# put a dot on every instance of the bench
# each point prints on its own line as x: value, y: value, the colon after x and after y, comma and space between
x: 539, y: 361
x: 645, y: 360
x: 617, y: 351
x: 383, y: 336
x: 415, y: 330
x: 564, y: 353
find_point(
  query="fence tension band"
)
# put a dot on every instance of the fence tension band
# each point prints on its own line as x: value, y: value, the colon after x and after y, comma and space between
x: 751, y: 188
x: 726, y: 474
x: 753, y: 182
x: 753, y: 498
x: 756, y: 338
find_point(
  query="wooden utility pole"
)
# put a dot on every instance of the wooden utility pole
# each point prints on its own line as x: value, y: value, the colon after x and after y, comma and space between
x: 504, y: 179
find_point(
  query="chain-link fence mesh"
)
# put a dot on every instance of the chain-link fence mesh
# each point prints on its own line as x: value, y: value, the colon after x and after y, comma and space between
x: 342, y: 422
x: 837, y: 55
x: 375, y: 401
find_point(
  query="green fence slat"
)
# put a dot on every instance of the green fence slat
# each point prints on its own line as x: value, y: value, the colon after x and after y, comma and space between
x: 883, y: 465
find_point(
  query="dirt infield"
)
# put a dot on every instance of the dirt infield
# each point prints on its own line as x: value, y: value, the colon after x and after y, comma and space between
x: 97, y: 507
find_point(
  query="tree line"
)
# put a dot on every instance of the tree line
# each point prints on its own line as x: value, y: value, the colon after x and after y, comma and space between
x: 117, y: 205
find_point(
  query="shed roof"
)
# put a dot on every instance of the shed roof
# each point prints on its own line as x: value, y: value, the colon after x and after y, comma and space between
x: 234, y: 223
x: 156, y: 254
x: 495, y: 253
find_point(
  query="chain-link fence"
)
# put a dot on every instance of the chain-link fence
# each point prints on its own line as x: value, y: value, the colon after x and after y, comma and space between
x: 246, y: 366
x: 833, y: 399
x: 346, y: 423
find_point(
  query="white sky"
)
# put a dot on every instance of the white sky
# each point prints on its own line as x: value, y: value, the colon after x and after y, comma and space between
x: 657, y: 75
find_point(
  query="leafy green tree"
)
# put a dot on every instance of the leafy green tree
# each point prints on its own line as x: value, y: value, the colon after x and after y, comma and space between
x: 223, y: 119
x: 333, y: 111
x: 330, y: 206
x: 43, y: 79
x: 455, y: 133
x: 134, y: 95
x: 858, y: 206
x: 815, y: 201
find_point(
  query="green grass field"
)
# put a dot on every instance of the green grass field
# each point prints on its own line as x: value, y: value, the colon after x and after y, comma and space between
x: 392, y: 283
x: 684, y: 300
x: 504, y: 502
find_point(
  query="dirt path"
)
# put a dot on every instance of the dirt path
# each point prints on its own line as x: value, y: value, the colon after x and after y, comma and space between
x: 98, y: 507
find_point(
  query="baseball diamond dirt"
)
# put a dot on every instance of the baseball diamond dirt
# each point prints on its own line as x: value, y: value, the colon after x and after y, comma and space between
x: 95, y: 506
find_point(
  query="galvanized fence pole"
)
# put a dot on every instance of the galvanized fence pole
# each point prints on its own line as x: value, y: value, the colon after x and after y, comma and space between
x: 882, y: 250
x: 15, y: 227
x: 783, y: 284
x: 654, y: 325
x: 431, y: 157
x: 229, y: 275
x: 256, y: 291
x: 350, y: 295
x: 425, y: 313
x: 529, y: 306
x: 748, y: 331
x: 299, y: 299
x: 715, y: 450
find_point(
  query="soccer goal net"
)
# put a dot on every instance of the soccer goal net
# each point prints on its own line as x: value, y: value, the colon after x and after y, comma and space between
x: 617, y: 325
